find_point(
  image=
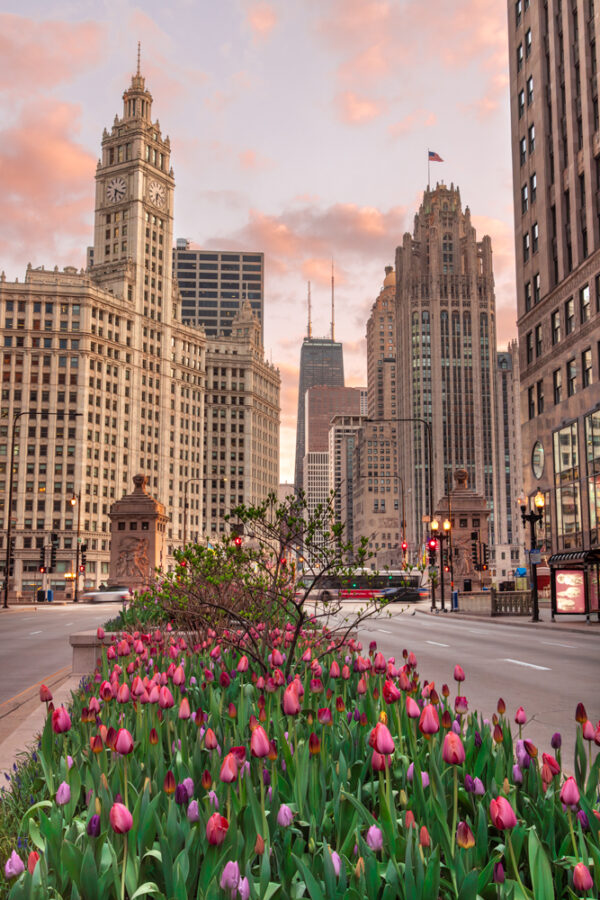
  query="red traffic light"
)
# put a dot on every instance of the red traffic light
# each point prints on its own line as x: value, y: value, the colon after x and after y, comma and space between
x: 404, y: 546
x: 432, y: 544
x: 82, y: 568
x: 283, y: 562
x: 237, y: 541
x: 42, y: 569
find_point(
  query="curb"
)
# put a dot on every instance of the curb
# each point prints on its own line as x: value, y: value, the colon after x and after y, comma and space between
x: 13, y: 703
x: 543, y: 625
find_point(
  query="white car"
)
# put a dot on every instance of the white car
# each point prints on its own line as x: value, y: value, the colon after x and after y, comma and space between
x: 108, y: 595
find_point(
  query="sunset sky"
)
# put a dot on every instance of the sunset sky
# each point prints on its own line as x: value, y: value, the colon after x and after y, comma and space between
x: 298, y: 127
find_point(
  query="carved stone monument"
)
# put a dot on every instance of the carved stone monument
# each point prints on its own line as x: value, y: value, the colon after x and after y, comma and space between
x: 137, y: 528
x: 469, y: 515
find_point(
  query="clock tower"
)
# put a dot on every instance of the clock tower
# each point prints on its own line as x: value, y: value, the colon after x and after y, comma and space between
x: 133, y: 231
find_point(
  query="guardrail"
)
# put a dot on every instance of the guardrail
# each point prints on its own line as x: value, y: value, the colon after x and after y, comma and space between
x: 511, y: 603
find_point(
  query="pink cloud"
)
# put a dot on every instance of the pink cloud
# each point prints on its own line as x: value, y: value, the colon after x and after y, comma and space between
x: 250, y: 159
x: 414, y: 121
x: 262, y: 19
x: 39, y: 54
x: 355, y: 110
x: 318, y: 271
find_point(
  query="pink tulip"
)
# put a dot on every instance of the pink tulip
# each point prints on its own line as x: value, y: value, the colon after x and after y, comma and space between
x: 285, y: 816
x: 374, y: 838
x: 61, y: 720
x: 502, y: 813
x: 123, y: 742
x: 412, y: 708
x: 520, y: 716
x: 569, y: 793
x: 379, y: 664
x: 45, y: 694
x: 123, y: 693
x: 381, y: 739
x: 230, y: 878
x: 587, y: 731
x: 14, y: 865
x: 63, y: 794
x: 242, y: 665
x: 259, y: 743
x: 216, y: 829
x: 179, y: 676
x: 165, y: 698
x: 184, y: 709
x: 120, y: 818
x: 100, y: 634
x: 276, y: 657
x: 291, y: 703
x: 334, y: 670
x: 461, y: 706
x: 453, y: 751
x: 459, y: 673
x: 210, y: 740
x: 229, y: 769
x: 379, y: 762
x: 429, y: 722
x: 582, y: 879
x: 390, y: 692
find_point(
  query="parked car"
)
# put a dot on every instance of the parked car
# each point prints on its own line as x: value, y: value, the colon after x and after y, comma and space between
x: 112, y: 593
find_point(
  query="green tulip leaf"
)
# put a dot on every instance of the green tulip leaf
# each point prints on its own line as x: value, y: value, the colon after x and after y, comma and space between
x: 311, y: 883
x: 148, y: 888
x: 541, y: 872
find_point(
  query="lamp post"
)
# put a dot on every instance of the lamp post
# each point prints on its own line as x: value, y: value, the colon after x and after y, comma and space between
x: 76, y: 501
x: 441, y: 536
x: 533, y: 518
x: 24, y: 412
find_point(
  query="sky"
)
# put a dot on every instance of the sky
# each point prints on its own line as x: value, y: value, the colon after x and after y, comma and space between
x: 299, y: 128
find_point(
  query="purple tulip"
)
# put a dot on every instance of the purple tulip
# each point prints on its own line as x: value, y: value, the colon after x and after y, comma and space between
x: 374, y: 838
x: 522, y: 755
x: 14, y: 865
x: 189, y: 786
x: 456, y: 726
x: 93, y: 826
x: 585, y: 822
x: 285, y: 816
x: 244, y: 889
x: 193, y: 812
x: 556, y: 741
x: 498, y: 873
x: 266, y: 777
x: 63, y: 794
x: 517, y: 775
x: 477, y: 739
x: 213, y: 799
x: 479, y: 788
x: 410, y: 772
x: 336, y: 863
x: 230, y: 878
x: 181, y: 795
x: 424, y: 779
x: 469, y: 784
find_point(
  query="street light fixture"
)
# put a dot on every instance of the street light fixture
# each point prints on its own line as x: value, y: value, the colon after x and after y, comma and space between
x: 536, y: 515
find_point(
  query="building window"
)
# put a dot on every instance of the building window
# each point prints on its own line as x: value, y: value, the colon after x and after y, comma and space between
x: 571, y: 377
x: 524, y: 198
x: 523, y: 150
x: 584, y: 304
x: 521, y: 103
x: 555, y: 323
x: 518, y: 12
x: 569, y: 315
x: 529, y: 347
x: 519, y: 57
x: 528, y: 42
x: 537, y: 291
x: 531, y: 138
x: 566, y: 479
x: 533, y: 187
x: 530, y: 90
x: 557, y: 386
x: 530, y: 403
x: 535, y: 237
x: 538, y: 340
x: 525, y: 246
x: 586, y: 367
x: 540, y: 396
x: 527, y: 296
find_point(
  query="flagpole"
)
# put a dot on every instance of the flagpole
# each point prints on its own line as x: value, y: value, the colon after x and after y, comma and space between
x: 428, y: 172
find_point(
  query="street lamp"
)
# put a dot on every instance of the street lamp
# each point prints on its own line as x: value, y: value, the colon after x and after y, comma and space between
x: 76, y: 502
x: 533, y: 518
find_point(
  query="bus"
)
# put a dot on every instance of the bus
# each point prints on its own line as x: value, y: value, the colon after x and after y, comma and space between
x: 363, y: 584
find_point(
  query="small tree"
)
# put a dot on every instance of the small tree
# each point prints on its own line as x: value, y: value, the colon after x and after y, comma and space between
x: 247, y: 591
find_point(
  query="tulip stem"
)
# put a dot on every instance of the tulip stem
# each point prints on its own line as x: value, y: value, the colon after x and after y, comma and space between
x: 514, y: 862
x: 569, y: 817
x: 454, y: 811
x: 125, y: 781
x: 400, y: 739
x: 124, y: 865
x: 262, y: 803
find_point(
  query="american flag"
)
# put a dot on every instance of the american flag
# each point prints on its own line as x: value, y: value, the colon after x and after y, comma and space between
x: 435, y: 157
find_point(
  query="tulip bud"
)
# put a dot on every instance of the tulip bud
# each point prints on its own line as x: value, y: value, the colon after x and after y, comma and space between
x: 120, y: 818
x: 556, y: 741
x: 464, y: 836
x: 580, y: 713
x: 32, y: 861
x: 424, y: 839
x: 93, y: 826
x: 169, y: 783
x: 206, y: 780
x: 501, y: 707
x: 582, y: 880
x: 498, y: 734
x: 359, y: 870
x: 498, y: 873
x: 259, y: 846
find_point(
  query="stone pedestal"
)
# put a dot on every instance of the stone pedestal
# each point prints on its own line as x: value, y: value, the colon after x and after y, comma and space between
x: 138, y: 528
x: 468, y: 512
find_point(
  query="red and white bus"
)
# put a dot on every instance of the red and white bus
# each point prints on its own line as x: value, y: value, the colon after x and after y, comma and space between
x: 363, y: 584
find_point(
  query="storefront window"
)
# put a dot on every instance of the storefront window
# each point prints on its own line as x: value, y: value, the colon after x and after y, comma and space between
x: 566, y: 455
x: 592, y: 452
x: 568, y: 509
x: 568, y: 496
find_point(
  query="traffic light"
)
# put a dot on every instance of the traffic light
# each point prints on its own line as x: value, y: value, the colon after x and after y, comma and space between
x: 432, y: 547
x: 404, y: 546
x: 475, y: 554
x: 484, y: 556
x: 11, y: 557
x: 82, y: 556
x: 42, y: 560
x: 82, y: 568
x: 53, y: 546
x: 238, y: 541
x: 283, y: 562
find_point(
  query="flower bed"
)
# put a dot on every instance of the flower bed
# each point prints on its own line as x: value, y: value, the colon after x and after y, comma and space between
x: 179, y: 772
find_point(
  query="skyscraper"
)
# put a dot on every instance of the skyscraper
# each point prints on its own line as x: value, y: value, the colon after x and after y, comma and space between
x: 321, y: 363
x: 446, y: 349
x: 555, y: 126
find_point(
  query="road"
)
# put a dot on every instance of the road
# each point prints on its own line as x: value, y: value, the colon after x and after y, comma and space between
x: 34, y: 642
x: 546, y: 672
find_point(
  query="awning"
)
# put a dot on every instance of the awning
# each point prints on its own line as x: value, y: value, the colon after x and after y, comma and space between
x: 575, y: 557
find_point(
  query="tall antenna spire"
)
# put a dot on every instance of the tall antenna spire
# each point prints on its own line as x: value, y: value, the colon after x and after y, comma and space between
x: 332, y: 304
x: 138, y: 57
x: 309, y: 314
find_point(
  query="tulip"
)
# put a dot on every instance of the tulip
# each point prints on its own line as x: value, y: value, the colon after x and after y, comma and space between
x: 390, y: 692
x: 96, y: 744
x: 93, y: 826
x: 501, y: 707
x: 580, y: 713
x: 61, y: 720
x: 381, y: 739
x: 324, y: 716
x: 498, y: 873
x: 587, y: 730
x: 259, y: 845
x: 153, y: 736
x: 45, y: 694
x: 123, y: 693
x: 14, y: 866
x: 165, y: 698
x: 184, y: 709
x: 424, y: 839
x: 502, y: 813
x: 453, y: 751
x: 429, y: 722
x: 242, y: 665
x: 229, y: 769
x: 379, y: 762
x: 216, y: 829
x: 569, y: 793
x: 181, y: 794
x: 32, y: 861
x: 100, y: 634
x: 517, y: 774
x: 230, y: 878
x: 336, y: 862
x: 259, y: 743
x: 531, y: 749
x: 551, y: 763
x: 314, y: 743
x: 556, y: 741
x: 285, y: 816
x: 464, y: 836
x: 339, y: 704
x: 120, y: 818
x: 63, y: 794
x: 582, y: 880
x: 123, y: 742
x: 459, y: 673
x: 169, y: 783
x: 244, y: 889
x: 210, y: 740
x: 585, y: 822
x: 206, y: 780
x: 193, y: 813
x: 461, y: 706
x: 498, y: 734
x: 520, y: 716
x: 374, y: 838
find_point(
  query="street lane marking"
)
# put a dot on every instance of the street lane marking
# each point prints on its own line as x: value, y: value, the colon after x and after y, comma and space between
x: 519, y: 662
x: 478, y: 630
x: 558, y: 644
x: 437, y: 643
x: 385, y: 631
x: 68, y: 623
x: 35, y: 632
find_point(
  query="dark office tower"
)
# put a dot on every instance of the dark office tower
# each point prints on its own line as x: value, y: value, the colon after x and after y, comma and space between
x: 321, y: 363
x: 214, y: 285
x: 555, y: 134
x: 446, y: 348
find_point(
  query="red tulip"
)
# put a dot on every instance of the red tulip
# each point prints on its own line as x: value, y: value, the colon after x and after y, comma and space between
x: 120, y: 818
x: 153, y: 736
x: 429, y: 722
x: 453, y: 751
x: 123, y: 693
x: 531, y: 749
x: 464, y: 836
x: 216, y: 829
x: 379, y: 664
x: 184, y: 709
x: 96, y: 744
x: 179, y: 676
x: 242, y: 665
x: 165, y: 698
x: 45, y: 694
x: 520, y: 716
x: 381, y: 739
x: 314, y: 743
x: 409, y: 819
x: 569, y: 793
x: 339, y: 704
x: 459, y: 673
x: 229, y: 769
x: 446, y: 720
x: 206, y: 780
x: 169, y: 783
x: 551, y: 762
x: 210, y: 739
x: 390, y: 692
x: 501, y: 707
x: 582, y: 879
x: 498, y: 734
x: 334, y: 670
x: 502, y: 813
x: 61, y: 720
x: 424, y: 839
x: 100, y: 634
x: 123, y: 742
x: 324, y: 716
x: 291, y: 702
x: 580, y: 713
x: 259, y: 743
x: 32, y: 861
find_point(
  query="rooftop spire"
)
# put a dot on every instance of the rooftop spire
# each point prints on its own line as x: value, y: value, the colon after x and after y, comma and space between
x: 138, y: 73
x: 332, y: 304
x: 309, y: 314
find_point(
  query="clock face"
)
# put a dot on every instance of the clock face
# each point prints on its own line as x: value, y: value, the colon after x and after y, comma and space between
x: 157, y: 193
x: 116, y: 190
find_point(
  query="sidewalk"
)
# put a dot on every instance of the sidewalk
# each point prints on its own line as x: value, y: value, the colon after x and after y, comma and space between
x: 562, y: 624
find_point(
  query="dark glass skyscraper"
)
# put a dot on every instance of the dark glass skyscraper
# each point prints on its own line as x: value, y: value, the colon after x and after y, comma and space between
x: 321, y: 363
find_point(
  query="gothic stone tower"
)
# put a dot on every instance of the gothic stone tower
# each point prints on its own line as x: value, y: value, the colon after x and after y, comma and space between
x: 446, y: 352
